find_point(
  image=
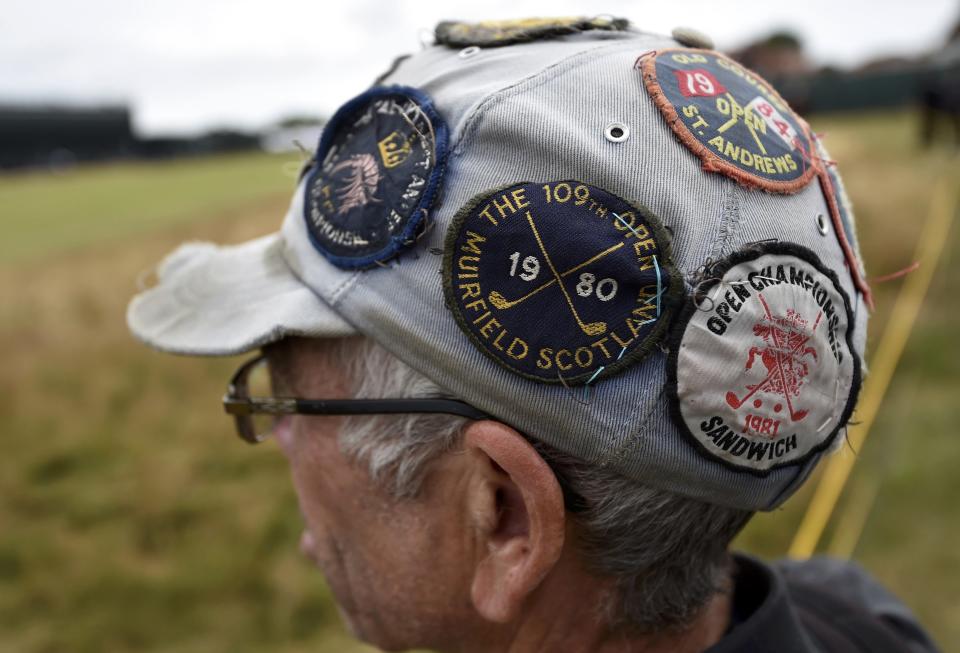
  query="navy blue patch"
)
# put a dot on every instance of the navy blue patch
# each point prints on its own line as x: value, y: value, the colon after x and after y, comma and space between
x: 731, y: 118
x: 378, y: 166
x: 560, y: 282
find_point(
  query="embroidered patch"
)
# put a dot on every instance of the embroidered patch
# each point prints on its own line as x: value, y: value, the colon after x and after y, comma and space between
x: 730, y: 118
x: 841, y: 215
x: 762, y: 369
x: 376, y: 172
x: 492, y: 33
x: 561, y: 281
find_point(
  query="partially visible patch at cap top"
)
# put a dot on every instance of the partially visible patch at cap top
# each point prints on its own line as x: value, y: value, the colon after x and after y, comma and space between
x: 843, y: 224
x: 845, y: 215
x: 377, y: 170
x: 762, y: 370
x: 560, y: 282
x: 732, y: 119
x: 492, y: 33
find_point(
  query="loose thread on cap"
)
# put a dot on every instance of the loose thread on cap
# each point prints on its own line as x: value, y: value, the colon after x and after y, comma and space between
x: 428, y: 225
x: 426, y: 119
x: 596, y: 374
x: 846, y: 438
x: 656, y: 297
x: 570, y: 391
x: 656, y: 266
x: 426, y: 229
x: 720, y: 285
x: 805, y: 155
x: 818, y: 137
x: 586, y: 388
x: 626, y: 224
x: 303, y: 150
x: 705, y: 298
x: 913, y: 267
x: 639, y: 61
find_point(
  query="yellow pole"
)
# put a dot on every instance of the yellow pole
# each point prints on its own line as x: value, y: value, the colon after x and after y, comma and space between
x: 904, y: 314
x: 852, y: 520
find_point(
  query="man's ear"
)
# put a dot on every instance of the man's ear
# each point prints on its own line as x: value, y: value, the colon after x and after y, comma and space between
x: 517, y: 509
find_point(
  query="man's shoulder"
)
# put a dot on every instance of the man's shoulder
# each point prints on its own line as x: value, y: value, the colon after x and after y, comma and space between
x: 821, y: 604
x: 824, y: 584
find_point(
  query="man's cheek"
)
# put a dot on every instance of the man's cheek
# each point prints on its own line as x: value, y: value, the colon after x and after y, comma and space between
x: 283, y: 432
x: 308, y: 546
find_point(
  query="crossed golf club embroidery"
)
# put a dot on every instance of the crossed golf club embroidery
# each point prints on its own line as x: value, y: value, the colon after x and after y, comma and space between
x: 773, y: 358
x: 589, y: 328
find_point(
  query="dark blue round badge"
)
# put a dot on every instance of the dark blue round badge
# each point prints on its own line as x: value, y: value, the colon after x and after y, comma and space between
x: 561, y: 281
x: 377, y: 170
x: 731, y: 118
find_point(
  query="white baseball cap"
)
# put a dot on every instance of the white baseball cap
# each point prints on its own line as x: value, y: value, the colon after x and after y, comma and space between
x: 628, y: 248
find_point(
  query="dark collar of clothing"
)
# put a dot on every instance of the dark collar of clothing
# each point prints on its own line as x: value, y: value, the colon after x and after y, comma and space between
x: 763, y: 617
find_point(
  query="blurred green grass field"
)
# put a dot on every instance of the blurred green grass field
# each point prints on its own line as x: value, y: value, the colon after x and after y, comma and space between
x: 132, y: 519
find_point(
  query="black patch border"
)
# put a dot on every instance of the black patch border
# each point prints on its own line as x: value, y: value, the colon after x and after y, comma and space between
x: 715, y: 275
x: 416, y: 221
x: 671, y: 299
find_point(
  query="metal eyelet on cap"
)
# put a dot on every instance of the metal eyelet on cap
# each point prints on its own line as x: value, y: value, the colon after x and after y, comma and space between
x: 822, y: 224
x: 468, y: 52
x: 616, y: 132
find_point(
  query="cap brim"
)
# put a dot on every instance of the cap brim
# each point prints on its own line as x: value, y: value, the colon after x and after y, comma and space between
x: 218, y: 301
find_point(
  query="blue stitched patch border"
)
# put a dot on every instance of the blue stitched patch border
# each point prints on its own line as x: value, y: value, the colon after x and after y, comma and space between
x: 377, y: 170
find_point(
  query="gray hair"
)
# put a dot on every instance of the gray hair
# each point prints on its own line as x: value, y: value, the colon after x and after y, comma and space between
x: 667, y: 554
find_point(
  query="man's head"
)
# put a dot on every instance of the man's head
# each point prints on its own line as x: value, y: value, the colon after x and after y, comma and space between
x: 632, y: 266
x: 430, y: 529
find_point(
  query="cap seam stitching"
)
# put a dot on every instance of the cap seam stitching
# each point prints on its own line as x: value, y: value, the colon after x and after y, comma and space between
x: 617, y: 451
x: 528, y: 83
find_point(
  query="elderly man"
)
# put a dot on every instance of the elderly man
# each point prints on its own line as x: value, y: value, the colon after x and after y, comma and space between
x: 557, y: 306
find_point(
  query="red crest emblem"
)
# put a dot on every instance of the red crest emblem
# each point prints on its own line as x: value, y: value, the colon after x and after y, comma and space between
x: 787, y: 358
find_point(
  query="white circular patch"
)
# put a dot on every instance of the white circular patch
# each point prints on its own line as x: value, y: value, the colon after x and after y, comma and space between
x: 763, y: 373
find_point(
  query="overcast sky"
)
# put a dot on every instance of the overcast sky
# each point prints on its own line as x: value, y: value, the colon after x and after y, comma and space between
x: 188, y: 65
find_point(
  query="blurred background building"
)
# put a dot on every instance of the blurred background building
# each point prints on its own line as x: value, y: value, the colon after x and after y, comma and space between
x: 41, y: 135
x: 930, y: 80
